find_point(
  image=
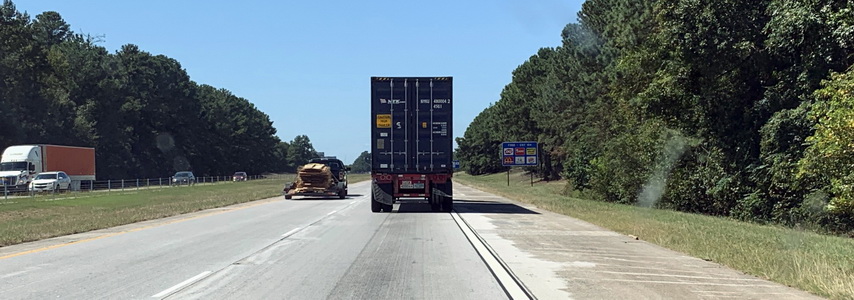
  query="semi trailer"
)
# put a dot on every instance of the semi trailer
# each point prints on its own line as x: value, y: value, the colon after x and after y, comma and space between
x: 20, y: 164
x: 411, y: 141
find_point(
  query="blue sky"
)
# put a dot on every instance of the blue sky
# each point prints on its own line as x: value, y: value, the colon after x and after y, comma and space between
x: 293, y: 59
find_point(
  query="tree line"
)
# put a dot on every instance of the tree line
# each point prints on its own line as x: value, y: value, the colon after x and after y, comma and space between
x: 730, y: 108
x: 141, y: 112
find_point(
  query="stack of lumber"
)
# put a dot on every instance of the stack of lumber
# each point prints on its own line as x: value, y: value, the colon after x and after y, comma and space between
x: 314, y: 176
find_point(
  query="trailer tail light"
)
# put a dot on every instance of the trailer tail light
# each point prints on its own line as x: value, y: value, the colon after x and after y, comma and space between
x: 382, y: 178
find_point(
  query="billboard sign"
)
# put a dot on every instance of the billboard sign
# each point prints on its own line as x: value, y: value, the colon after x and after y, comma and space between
x: 519, y: 154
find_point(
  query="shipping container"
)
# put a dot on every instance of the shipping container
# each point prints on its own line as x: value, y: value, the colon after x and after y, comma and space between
x: 412, y: 140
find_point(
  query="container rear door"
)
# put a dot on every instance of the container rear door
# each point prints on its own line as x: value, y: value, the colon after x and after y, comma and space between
x: 411, y: 124
x: 390, y: 107
x: 433, y: 126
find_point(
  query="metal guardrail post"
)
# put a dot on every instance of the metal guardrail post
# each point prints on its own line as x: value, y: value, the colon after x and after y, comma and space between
x: 123, y: 184
x: 109, y: 186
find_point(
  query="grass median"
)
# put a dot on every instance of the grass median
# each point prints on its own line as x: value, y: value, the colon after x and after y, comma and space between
x: 24, y: 219
x: 820, y: 264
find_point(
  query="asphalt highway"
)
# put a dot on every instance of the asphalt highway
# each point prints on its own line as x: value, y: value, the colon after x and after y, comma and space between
x: 273, y: 249
x: 489, y: 248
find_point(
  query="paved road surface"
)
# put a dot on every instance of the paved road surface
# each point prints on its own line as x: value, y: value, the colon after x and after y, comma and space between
x: 338, y: 249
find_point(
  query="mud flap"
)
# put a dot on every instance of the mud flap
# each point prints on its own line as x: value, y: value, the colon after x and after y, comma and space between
x: 380, y: 195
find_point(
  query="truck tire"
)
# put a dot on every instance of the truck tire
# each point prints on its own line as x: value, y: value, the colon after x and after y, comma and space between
x: 288, y: 196
x: 387, y: 207
x: 434, y: 202
x: 447, y: 202
x: 342, y: 194
x: 375, y: 205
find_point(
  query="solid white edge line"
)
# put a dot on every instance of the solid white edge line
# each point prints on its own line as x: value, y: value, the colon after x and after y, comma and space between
x: 504, y: 278
x: 182, y: 284
x: 292, y: 231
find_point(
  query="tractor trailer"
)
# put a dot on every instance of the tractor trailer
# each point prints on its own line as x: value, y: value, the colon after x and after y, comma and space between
x: 20, y: 164
x: 411, y: 141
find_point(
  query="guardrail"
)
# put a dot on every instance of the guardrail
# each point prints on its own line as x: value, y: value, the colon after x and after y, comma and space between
x: 140, y: 183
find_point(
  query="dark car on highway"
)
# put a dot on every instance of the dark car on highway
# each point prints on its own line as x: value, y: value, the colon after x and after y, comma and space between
x: 240, y: 176
x: 184, y: 177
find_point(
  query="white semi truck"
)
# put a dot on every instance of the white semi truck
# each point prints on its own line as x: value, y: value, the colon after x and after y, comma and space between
x: 20, y: 164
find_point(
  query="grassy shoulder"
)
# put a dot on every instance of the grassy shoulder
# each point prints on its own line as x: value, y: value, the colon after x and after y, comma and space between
x: 27, y: 219
x: 820, y: 264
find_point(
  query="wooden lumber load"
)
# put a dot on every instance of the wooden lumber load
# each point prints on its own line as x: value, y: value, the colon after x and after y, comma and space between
x: 314, y: 179
x: 314, y: 176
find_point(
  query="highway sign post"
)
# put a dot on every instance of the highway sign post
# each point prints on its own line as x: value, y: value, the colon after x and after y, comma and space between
x: 520, y: 154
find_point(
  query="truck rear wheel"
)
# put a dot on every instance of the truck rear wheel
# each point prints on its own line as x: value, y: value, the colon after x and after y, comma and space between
x: 434, y: 202
x: 288, y: 196
x: 375, y: 205
x: 447, y: 202
x: 387, y: 207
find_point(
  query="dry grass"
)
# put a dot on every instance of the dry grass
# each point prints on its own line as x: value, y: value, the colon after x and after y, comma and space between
x: 820, y: 264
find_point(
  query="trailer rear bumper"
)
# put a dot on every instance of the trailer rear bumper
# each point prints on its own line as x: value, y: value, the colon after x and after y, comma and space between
x: 386, y: 189
x: 391, y: 187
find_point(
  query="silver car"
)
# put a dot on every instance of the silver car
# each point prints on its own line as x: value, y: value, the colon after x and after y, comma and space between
x: 50, y: 181
x: 184, y: 177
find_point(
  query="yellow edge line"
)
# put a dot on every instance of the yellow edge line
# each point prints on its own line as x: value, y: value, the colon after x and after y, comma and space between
x: 128, y: 231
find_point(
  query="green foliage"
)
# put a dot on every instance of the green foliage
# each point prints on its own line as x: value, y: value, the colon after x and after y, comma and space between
x: 301, y: 151
x: 625, y: 164
x: 730, y: 82
x: 141, y: 112
x: 362, y: 164
x: 830, y: 153
x: 778, y: 190
x: 480, y: 149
